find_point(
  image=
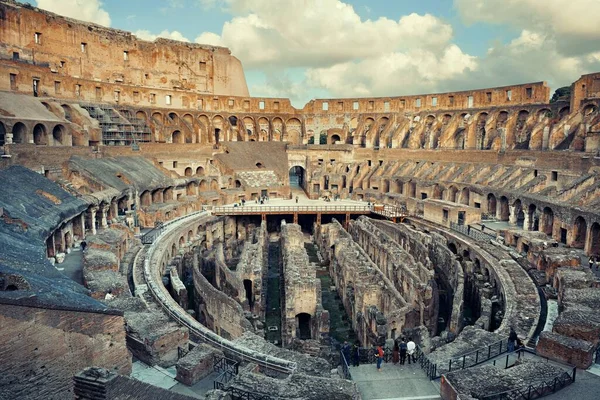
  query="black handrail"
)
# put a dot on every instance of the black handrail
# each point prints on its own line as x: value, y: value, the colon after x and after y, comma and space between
x: 345, y: 366
x: 535, y: 390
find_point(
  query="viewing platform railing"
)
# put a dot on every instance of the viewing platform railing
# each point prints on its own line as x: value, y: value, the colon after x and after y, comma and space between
x: 264, y: 209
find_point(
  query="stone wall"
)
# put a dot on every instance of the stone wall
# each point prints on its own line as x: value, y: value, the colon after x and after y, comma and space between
x: 301, y: 290
x: 253, y: 267
x: 413, y: 280
x: 44, y: 348
x: 369, y: 297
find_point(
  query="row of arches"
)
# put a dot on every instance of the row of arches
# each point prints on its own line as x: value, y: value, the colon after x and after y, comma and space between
x: 39, y: 134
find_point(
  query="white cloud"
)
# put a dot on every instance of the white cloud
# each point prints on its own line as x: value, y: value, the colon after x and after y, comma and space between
x: 317, y: 33
x: 209, y: 38
x: 147, y: 35
x: 85, y: 10
x: 573, y: 23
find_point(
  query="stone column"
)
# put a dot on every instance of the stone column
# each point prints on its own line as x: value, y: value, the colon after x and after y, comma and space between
x: 79, y: 226
x: 527, y: 222
x: 91, y: 217
x: 104, y: 215
x: 50, y: 247
x: 512, y: 212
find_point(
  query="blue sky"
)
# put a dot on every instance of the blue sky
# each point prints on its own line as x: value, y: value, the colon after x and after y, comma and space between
x: 305, y: 49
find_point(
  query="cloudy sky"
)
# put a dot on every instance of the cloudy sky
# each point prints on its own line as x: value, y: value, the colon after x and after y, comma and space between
x: 304, y: 49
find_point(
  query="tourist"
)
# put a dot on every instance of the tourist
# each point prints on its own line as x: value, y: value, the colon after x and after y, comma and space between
x: 403, y: 351
x: 243, y: 202
x: 296, y: 199
x: 591, y: 262
x: 396, y: 353
x: 411, y: 348
x: 512, y: 339
x: 379, y: 354
x: 83, y: 245
x: 346, y: 352
x: 356, y: 353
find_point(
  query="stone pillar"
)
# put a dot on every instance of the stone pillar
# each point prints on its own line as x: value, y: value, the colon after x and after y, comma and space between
x: 104, y: 217
x: 527, y: 222
x: 59, y: 240
x: 512, y: 212
x: 498, y: 209
x: 546, y: 138
x: 50, y: 247
x: 8, y: 138
x: 503, y: 138
x: 91, y: 217
x: 79, y: 226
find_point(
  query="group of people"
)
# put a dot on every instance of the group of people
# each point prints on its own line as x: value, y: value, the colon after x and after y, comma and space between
x: 402, y: 351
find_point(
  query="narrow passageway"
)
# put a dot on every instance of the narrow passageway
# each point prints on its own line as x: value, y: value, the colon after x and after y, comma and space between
x: 273, y: 314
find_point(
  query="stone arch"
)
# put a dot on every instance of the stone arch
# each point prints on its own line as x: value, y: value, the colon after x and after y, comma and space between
x: 66, y: 109
x: 501, y: 119
x: 589, y: 109
x: 533, y: 220
x: 218, y: 129
x: 168, y: 194
x: 177, y: 137
x: 465, y: 195
x: 452, y: 192
x: 334, y: 139
x: 203, y: 185
x: 547, y: 224
x: 264, y: 130
x: 491, y: 204
x: 293, y: 127
x: 188, y: 118
x: 594, y: 247
x: 145, y: 198
x: 504, y: 209
x: 173, y: 250
x: 543, y: 114
x: 452, y: 248
x: 190, y: 235
x: 173, y: 116
x: 58, y: 134
x: 579, y: 232
x: 40, y: 134
x: 188, y: 171
x: 518, y: 214
x: 238, y: 184
x: 481, y: 132
x: 297, y: 176
x: 2, y: 134
x: 158, y: 118
x: 141, y: 115
x: 203, y: 125
x: 200, y: 171
x: 214, y: 185
x: 564, y: 112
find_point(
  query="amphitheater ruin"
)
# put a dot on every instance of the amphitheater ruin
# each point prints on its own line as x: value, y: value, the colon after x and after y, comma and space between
x: 234, y: 243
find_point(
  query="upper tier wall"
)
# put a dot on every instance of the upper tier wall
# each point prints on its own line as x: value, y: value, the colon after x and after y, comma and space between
x: 71, y: 48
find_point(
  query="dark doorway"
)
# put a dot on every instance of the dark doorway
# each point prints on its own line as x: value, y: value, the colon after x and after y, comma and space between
x: 249, y: 296
x: 303, y: 326
x: 297, y: 177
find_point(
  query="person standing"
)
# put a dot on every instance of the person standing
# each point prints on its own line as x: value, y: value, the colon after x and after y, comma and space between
x: 411, y: 348
x: 83, y: 246
x: 379, y: 353
x: 591, y: 262
x: 356, y: 354
x: 396, y: 353
x: 403, y: 351
x: 296, y: 199
x: 346, y: 352
x: 512, y: 339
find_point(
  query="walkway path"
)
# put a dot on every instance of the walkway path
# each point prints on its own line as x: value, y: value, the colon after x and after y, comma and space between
x: 72, y: 266
x: 394, y: 382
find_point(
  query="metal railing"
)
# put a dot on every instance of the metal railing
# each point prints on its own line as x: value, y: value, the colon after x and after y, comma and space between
x: 227, y: 369
x: 290, y: 209
x: 150, y: 236
x: 473, y: 233
x: 345, y: 366
x: 479, y: 356
x: 196, y: 329
x: 240, y: 394
x: 534, y: 389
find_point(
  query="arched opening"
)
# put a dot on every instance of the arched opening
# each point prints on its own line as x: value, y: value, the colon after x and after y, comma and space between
x: 452, y: 191
x: 19, y: 132
x: 168, y: 194
x: 200, y: 171
x: 248, y: 290
x: 238, y: 184
x: 334, y: 139
x: 214, y: 185
x: 595, y: 239
x: 504, y: 209
x: 453, y: 248
x: 412, y: 189
x: 547, y: 221
x: 303, y: 326
x: 217, y: 135
x: 178, y: 137
x: 579, y: 233
x: 518, y: 214
x: 58, y: 134
x: 2, y: 134
x: 465, y: 196
x: 491, y: 205
x: 297, y: 177
x: 39, y: 135
x: 173, y: 250
x: 534, y: 220
x: 398, y: 187
x: 68, y: 240
x: 259, y: 165
x: 188, y: 171
x: 203, y: 186
x: 145, y: 198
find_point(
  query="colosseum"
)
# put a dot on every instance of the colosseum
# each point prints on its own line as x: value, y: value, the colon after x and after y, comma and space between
x: 164, y: 235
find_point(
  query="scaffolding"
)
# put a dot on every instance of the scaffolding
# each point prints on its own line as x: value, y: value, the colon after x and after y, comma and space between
x: 119, y: 129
